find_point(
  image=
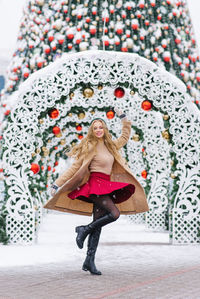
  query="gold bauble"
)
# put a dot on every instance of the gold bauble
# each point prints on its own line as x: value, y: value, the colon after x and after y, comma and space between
x: 81, y: 115
x: 59, y: 135
x: 165, y: 116
x: 71, y: 95
x: 33, y: 154
x: 62, y: 141
x: 38, y: 150
x: 49, y: 141
x: 144, y: 154
x: 172, y: 162
x: 41, y: 121
x: 100, y: 87
x: 172, y: 175
x: 92, y: 112
x: 70, y: 114
x: 136, y: 137
x: 165, y: 135
x: 88, y: 92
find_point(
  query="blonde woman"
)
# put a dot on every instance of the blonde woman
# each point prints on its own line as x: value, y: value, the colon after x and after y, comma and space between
x: 99, y: 182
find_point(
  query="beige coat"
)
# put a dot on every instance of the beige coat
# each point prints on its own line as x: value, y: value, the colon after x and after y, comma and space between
x: 78, y: 174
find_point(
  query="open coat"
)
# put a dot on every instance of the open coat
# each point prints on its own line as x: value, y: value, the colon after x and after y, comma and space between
x: 78, y: 174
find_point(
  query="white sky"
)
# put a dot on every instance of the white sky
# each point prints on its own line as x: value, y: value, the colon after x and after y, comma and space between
x: 11, y: 12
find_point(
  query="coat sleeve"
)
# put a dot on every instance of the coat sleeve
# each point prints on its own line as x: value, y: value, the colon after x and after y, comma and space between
x: 126, y: 132
x: 68, y: 173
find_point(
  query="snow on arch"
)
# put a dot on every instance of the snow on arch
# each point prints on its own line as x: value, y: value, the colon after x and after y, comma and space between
x: 168, y: 94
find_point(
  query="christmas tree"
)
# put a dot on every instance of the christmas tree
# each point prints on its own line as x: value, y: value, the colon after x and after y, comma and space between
x: 160, y: 31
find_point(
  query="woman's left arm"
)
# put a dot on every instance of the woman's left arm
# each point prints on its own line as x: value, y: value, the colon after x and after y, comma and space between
x: 126, y: 130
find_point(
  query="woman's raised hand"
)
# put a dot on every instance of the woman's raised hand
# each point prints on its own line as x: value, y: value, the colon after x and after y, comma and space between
x: 119, y: 113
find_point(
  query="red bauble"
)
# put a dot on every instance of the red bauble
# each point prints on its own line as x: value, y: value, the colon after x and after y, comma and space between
x: 26, y: 75
x: 35, y: 168
x: 144, y: 174
x: 80, y: 136
x: 1, y: 169
x: 61, y: 41
x: 70, y: 36
x: 49, y: 168
x: 7, y: 112
x: 78, y: 128
x: 167, y: 59
x: 56, y: 163
x: 53, y: 113
x: 93, y: 30
x: 146, y: 105
x: 110, y: 114
x: 40, y: 64
x: 119, y: 92
x: 56, y: 130
x: 51, y: 38
x: 47, y: 50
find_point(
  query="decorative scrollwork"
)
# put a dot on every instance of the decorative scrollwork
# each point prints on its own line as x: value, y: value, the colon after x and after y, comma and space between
x: 47, y: 87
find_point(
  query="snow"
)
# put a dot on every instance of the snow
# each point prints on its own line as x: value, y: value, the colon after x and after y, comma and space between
x: 56, y: 240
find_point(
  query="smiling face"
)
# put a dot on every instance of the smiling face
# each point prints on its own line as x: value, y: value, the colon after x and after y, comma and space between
x: 98, y: 129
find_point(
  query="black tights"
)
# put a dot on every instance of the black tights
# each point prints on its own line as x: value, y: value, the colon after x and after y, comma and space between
x: 103, y: 204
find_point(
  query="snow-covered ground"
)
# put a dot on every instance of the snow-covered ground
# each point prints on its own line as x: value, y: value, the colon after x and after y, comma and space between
x: 56, y: 240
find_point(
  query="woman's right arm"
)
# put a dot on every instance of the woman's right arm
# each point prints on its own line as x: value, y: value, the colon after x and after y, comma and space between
x: 69, y: 173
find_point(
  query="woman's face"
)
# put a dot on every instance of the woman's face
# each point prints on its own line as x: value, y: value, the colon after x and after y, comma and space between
x: 98, y: 129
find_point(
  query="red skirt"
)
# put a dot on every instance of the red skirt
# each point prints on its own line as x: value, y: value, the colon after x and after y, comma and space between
x: 99, y: 184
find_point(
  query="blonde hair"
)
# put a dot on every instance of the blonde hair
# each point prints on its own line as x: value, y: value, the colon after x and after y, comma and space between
x: 90, y: 139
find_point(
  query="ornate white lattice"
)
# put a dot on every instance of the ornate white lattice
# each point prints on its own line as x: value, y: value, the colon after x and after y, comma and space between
x: 47, y: 87
x: 184, y: 230
x: 21, y: 231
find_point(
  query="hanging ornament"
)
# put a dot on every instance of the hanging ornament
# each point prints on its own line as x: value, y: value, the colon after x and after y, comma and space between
x: 78, y: 128
x: 56, y: 163
x: 165, y: 116
x: 119, y: 92
x: 100, y: 87
x: 53, y: 113
x: 132, y: 92
x: 35, y: 168
x: 136, y: 137
x: 56, y: 130
x: 80, y: 136
x: 110, y: 114
x: 165, y: 134
x: 146, y: 105
x: 88, y: 92
x: 71, y: 95
x: 172, y: 175
x: 144, y: 174
x: 62, y: 141
x: 49, y: 168
x: 45, y: 151
x: 81, y: 115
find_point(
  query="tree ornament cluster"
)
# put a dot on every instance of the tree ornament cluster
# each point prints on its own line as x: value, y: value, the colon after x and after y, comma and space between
x: 160, y: 31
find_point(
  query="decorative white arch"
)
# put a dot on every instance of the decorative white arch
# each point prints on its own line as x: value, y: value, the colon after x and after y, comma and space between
x: 53, y: 86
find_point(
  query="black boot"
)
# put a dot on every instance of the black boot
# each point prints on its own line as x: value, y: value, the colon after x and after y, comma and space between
x: 85, y: 230
x: 93, y: 241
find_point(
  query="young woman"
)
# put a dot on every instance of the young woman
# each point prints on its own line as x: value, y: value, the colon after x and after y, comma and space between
x: 98, y: 182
